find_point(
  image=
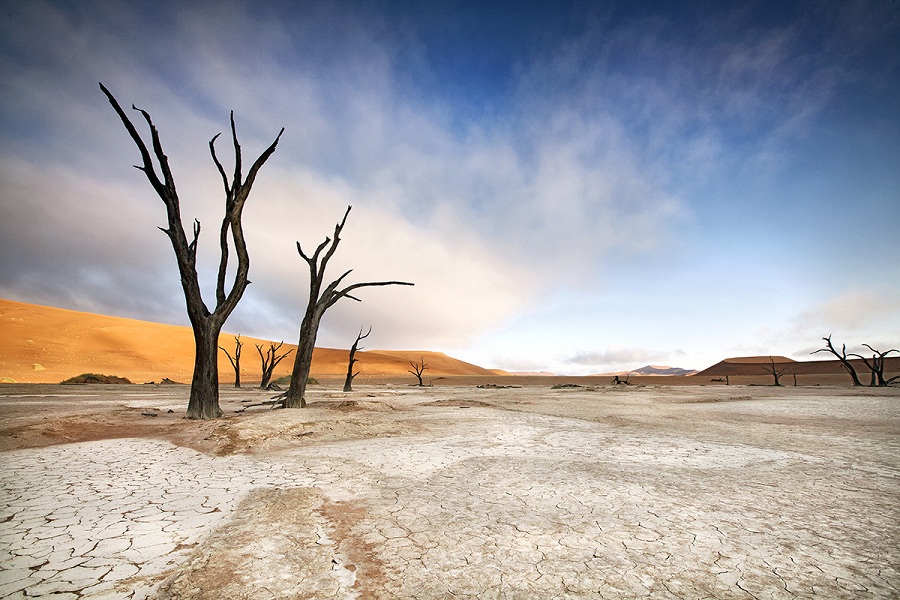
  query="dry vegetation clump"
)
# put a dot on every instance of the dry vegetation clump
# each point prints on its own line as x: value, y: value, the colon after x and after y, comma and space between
x: 459, y: 403
x: 286, y: 381
x: 95, y: 378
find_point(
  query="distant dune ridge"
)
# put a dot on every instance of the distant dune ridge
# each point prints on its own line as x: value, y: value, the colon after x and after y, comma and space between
x: 748, y: 365
x: 41, y: 344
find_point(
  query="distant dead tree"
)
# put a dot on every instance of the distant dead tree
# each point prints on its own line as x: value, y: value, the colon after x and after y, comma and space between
x: 619, y: 381
x: 841, y: 357
x: 236, y: 359
x: 348, y: 382
x: 877, y: 366
x: 417, y: 370
x: 773, y: 369
x: 319, y: 301
x: 204, y: 399
x: 270, y: 360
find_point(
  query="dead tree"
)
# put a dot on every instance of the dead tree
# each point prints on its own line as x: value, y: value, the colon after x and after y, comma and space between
x: 236, y: 359
x: 841, y: 357
x: 348, y: 382
x: 876, y: 366
x: 319, y: 301
x: 773, y: 369
x: 270, y: 360
x: 618, y: 381
x: 204, y: 399
x: 417, y: 370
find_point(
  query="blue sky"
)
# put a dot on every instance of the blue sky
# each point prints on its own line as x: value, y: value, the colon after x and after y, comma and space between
x: 575, y: 187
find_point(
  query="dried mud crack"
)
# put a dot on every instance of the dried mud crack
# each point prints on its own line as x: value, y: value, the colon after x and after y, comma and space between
x: 277, y: 545
x: 528, y: 494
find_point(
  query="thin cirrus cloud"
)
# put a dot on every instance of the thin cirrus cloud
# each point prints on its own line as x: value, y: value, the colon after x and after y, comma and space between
x: 617, y: 356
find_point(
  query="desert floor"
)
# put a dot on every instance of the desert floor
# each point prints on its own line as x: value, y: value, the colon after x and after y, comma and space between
x: 452, y: 492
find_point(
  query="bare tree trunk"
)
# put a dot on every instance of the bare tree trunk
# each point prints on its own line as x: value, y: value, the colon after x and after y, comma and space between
x: 841, y: 357
x: 235, y: 360
x: 204, y: 401
x: 417, y: 370
x: 296, y: 396
x: 270, y: 360
x: 876, y: 366
x: 318, y: 302
x: 348, y: 381
x: 618, y: 381
x: 775, y: 371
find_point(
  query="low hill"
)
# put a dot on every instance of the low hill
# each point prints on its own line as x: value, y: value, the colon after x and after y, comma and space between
x: 755, y: 365
x: 41, y: 344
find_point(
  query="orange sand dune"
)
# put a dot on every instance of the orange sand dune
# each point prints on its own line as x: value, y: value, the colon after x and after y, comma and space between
x: 40, y: 344
x: 437, y: 363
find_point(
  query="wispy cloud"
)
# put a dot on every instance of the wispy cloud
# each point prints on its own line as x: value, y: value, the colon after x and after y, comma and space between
x: 618, y: 357
x: 852, y: 311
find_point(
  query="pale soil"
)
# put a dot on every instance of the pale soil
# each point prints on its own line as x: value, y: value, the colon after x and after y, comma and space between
x: 592, y: 492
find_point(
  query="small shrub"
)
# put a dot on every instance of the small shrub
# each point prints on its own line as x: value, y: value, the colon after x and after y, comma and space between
x: 286, y: 381
x: 95, y: 378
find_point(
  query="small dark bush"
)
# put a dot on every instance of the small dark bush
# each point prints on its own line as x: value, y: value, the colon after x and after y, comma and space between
x: 286, y: 381
x: 94, y: 378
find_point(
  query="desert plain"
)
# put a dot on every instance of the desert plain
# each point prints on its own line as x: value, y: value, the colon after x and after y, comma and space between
x: 452, y: 491
x: 484, y: 485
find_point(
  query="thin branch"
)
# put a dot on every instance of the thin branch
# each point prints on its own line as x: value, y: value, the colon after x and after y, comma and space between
x: 251, y: 176
x: 212, y: 152
x: 192, y: 247
x: 160, y: 154
x: 879, y: 353
x: 229, y: 356
x: 344, y: 293
x: 865, y: 360
x: 330, y: 290
x: 315, y: 256
x: 337, y: 239
x: 236, y: 182
x: 148, y: 167
x: 223, y: 260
